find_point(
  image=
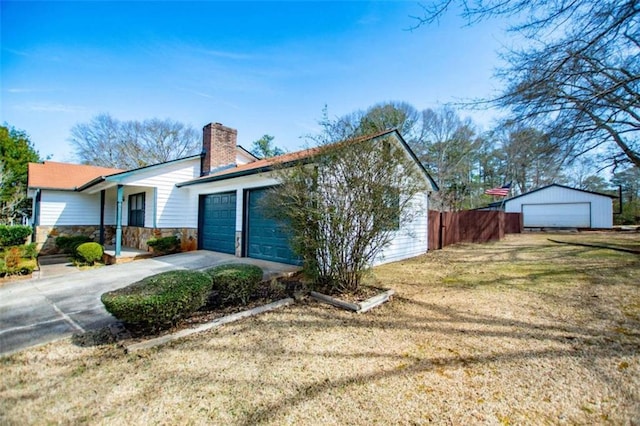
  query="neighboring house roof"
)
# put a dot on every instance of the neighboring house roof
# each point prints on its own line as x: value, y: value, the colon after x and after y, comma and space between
x: 64, y: 176
x: 560, y: 186
x: 268, y: 164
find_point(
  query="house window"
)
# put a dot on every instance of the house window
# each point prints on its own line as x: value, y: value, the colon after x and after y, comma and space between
x: 136, y: 209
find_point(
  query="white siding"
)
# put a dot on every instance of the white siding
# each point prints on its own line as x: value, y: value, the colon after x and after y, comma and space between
x: 243, y: 158
x: 601, y: 206
x: 412, y: 237
x: 110, y: 207
x: 170, y: 201
x: 69, y: 208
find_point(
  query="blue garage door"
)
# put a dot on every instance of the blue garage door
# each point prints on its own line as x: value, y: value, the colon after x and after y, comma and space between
x: 267, y: 239
x: 218, y: 222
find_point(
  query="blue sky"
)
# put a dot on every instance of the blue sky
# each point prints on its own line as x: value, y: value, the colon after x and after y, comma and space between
x: 260, y: 67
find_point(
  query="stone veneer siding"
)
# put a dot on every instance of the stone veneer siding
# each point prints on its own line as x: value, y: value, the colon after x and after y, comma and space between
x: 136, y: 237
x: 45, y: 236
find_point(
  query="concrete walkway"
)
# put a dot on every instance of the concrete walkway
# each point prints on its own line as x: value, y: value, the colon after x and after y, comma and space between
x: 42, y: 310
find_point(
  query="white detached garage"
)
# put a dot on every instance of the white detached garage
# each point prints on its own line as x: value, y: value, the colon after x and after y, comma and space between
x: 559, y: 206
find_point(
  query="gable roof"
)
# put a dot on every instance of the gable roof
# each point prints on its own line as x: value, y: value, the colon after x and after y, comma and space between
x: 246, y: 152
x: 560, y: 186
x: 268, y: 164
x: 500, y: 204
x: 64, y: 176
x: 117, y: 177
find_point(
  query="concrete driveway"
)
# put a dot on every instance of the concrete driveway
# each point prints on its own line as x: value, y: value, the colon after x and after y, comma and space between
x: 37, y: 311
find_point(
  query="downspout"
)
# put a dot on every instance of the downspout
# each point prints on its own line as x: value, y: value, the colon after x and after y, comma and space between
x: 620, y: 199
x: 119, y: 197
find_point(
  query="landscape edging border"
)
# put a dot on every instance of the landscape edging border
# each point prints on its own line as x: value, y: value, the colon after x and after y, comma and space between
x: 157, y: 341
x: 358, y: 308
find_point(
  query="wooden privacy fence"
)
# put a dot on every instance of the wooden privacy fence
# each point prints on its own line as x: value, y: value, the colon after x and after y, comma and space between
x: 472, y: 226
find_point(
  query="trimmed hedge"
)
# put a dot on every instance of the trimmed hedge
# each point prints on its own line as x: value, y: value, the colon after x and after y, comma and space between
x: 165, y: 245
x: 90, y: 252
x: 235, y: 283
x: 159, y: 301
x: 14, y: 235
x: 70, y: 244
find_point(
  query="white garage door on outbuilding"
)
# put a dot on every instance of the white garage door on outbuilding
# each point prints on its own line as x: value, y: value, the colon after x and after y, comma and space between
x: 559, y: 206
x: 556, y: 215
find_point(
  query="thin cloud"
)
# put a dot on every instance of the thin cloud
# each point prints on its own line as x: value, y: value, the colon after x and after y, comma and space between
x: 29, y: 90
x: 15, y: 52
x: 44, y: 55
x: 50, y: 107
x: 227, y: 55
x: 208, y: 96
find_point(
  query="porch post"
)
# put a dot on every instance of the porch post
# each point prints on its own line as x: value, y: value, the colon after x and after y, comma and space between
x: 119, y: 196
x: 36, y: 215
x: 102, y: 197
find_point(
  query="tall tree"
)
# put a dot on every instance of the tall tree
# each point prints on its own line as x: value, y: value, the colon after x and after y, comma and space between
x: 529, y: 158
x: 16, y: 152
x: 629, y: 180
x: 264, y: 147
x: 393, y: 114
x: 108, y: 142
x: 579, y: 75
x: 377, y: 118
x: 447, y: 145
x: 450, y: 150
x: 584, y: 174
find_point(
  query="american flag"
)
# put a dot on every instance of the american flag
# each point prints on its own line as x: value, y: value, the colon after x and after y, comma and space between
x: 501, y: 191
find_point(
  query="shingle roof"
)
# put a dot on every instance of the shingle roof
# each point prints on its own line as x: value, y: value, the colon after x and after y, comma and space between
x: 53, y: 175
x: 268, y: 163
x: 261, y: 164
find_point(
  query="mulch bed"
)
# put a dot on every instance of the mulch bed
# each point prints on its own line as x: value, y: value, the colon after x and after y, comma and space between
x: 267, y: 292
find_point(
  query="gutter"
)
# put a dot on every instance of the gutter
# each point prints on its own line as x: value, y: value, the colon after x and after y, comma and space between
x: 235, y: 174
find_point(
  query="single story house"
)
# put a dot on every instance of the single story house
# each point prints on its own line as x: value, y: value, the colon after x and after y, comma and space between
x: 209, y: 201
x: 559, y: 206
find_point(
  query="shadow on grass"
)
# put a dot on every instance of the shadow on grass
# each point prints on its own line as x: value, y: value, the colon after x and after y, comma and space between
x: 580, y: 343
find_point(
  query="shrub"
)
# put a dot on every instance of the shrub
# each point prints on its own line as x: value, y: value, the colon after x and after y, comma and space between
x: 70, y: 244
x: 235, y: 283
x: 90, y: 252
x: 12, y: 258
x: 29, y: 251
x: 13, y: 263
x: 13, y: 235
x: 165, y: 245
x: 160, y: 300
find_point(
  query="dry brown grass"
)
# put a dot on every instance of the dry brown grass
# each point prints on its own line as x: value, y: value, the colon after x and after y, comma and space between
x: 518, y: 332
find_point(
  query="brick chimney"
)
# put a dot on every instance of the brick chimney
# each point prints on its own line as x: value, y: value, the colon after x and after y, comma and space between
x: 218, y: 147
